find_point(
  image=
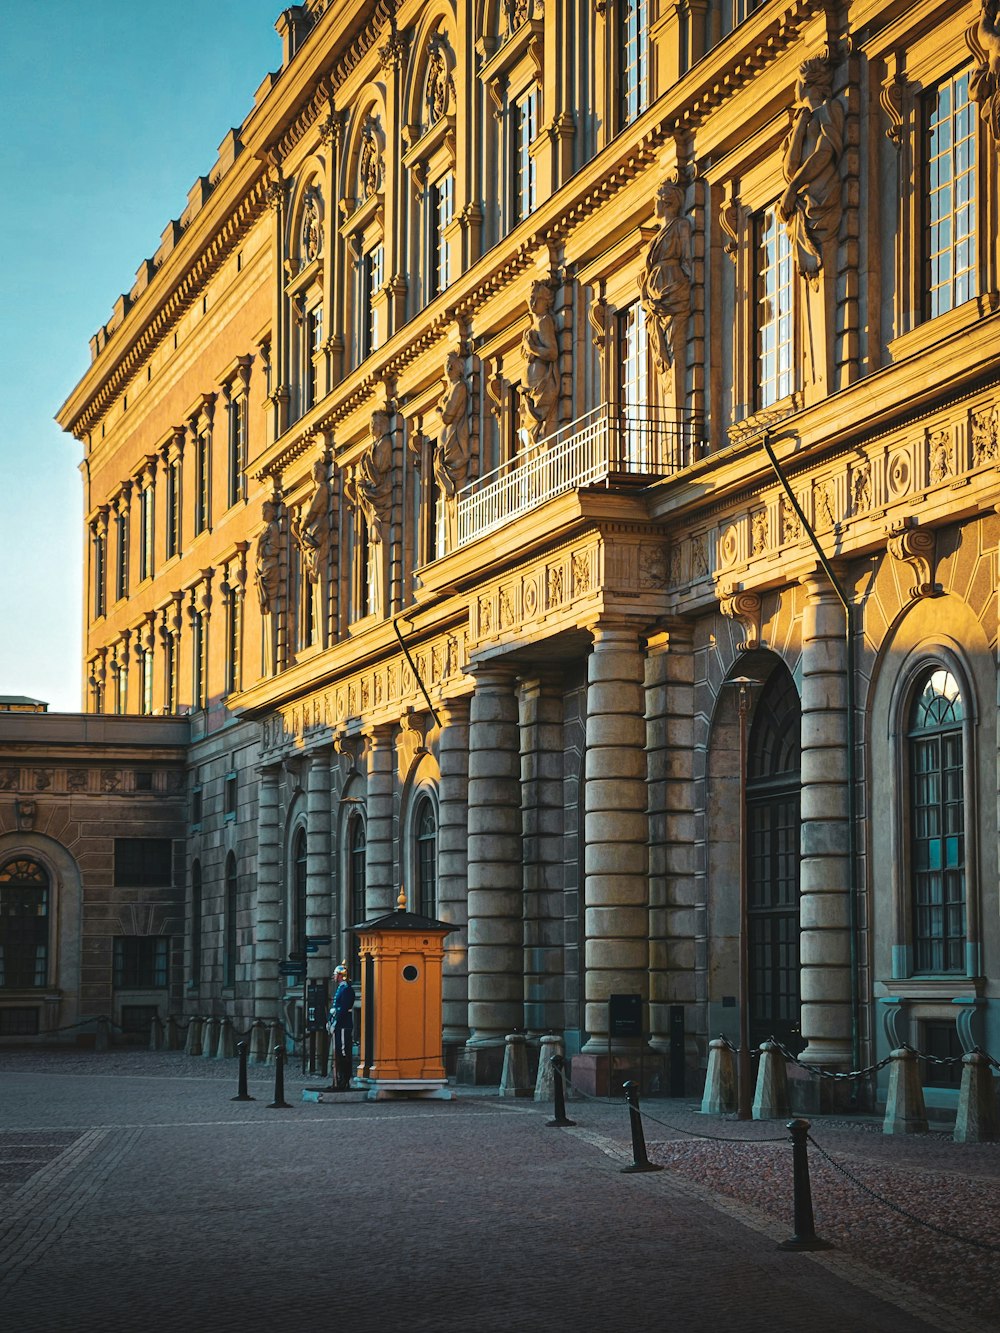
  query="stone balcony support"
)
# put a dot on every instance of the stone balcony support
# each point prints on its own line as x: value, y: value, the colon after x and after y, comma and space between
x: 824, y: 945
x: 452, y: 885
x: 495, y: 874
x: 267, y: 925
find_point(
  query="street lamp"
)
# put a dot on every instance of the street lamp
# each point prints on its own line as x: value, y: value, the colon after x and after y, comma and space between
x: 744, y: 685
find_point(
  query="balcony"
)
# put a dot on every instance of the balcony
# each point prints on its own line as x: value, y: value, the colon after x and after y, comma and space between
x: 604, y: 447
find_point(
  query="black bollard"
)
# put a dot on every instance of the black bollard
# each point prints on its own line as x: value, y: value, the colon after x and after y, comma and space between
x: 559, y: 1117
x: 805, y: 1237
x: 640, y: 1162
x: 279, y: 1103
x: 242, y: 1094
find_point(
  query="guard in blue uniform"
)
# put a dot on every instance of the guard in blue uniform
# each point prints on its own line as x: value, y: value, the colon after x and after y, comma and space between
x: 341, y: 1028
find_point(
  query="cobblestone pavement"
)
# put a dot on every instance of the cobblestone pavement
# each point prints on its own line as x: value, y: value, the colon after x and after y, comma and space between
x: 135, y: 1194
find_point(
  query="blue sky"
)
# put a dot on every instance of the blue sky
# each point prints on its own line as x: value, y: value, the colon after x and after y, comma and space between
x: 110, y: 109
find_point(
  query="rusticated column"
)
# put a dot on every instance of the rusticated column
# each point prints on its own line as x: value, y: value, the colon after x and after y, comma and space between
x: 267, y: 929
x: 616, y: 828
x: 319, y: 913
x: 495, y: 892
x: 824, y: 943
x: 452, y: 885
x: 380, y: 894
x: 670, y: 747
x: 543, y: 875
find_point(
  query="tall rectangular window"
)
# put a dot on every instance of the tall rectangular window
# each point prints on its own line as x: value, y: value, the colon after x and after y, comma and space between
x: 121, y: 577
x: 236, y: 489
x: 170, y: 674
x: 146, y: 506
x: 951, y: 196
x: 100, y: 576
x: 234, y: 635
x: 633, y: 384
x: 525, y: 131
x: 146, y: 681
x: 634, y: 59
x: 201, y: 483
x: 121, y: 689
x: 372, y: 277
x: 442, y: 213
x: 314, y: 343
x: 775, y: 310
x: 173, y: 508
x: 199, y: 648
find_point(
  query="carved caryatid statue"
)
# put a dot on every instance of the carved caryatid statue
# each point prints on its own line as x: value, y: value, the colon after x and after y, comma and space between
x: 665, y: 280
x: 371, y: 487
x: 811, y: 206
x: 311, y: 526
x: 312, y: 230
x: 267, y: 560
x: 540, y: 346
x: 984, y: 81
x: 439, y: 87
x: 451, y: 458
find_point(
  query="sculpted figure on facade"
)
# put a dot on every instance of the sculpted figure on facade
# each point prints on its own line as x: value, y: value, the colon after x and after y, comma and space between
x: 312, y: 230
x: 311, y: 526
x: 267, y: 560
x: 370, y: 162
x: 451, y: 457
x: 439, y: 84
x: 811, y: 205
x: 371, y: 487
x: 984, y: 81
x: 540, y: 346
x: 665, y: 281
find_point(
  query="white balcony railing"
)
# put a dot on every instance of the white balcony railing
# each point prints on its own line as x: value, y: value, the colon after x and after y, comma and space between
x: 602, y: 446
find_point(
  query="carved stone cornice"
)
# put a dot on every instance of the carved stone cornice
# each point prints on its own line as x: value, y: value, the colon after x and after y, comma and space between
x: 915, y: 546
x: 744, y: 607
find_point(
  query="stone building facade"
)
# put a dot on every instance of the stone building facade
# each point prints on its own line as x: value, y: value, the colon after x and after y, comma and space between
x: 515, y: 381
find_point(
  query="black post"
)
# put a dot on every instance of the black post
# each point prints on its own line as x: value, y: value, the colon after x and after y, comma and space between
x: 559, y: 1117
x: 805, y: 1237
x: 640, y: 1162
x: 279, y: 1103
x: 242, y: 1095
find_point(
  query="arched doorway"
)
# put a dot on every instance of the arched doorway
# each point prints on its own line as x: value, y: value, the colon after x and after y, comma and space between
x: 773, y: 797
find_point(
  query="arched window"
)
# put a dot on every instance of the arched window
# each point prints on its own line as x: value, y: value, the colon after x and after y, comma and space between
x: 24, y: 925
x: 356, y: 874
x: 773, y: 813
x: 297, y: 933
x: 425, y: 837
x: 937, y: 823
x: 229, y: 945
x: 196, y: 911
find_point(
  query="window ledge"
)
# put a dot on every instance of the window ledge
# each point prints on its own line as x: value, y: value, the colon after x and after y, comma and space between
x: 945, y: 989
x: 933, y: 331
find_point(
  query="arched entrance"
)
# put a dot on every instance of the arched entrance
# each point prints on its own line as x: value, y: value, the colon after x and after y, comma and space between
x: 773, y: 797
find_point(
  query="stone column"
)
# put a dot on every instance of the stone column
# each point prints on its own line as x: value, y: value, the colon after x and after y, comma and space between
x: 452, y: 885
x: 543, y: 877
x: 320, y: 917
x: 267, y: 930
x: 616, y: 827
x: 496, y: 985
x: 380, y: 893
x: 670, y: 750
x: 824, y: 943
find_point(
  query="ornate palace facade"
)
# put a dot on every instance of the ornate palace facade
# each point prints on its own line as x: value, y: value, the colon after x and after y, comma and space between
x: 517, y: 379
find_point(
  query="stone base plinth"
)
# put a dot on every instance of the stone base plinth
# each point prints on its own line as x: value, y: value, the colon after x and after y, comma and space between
x: 599, y: 1075
x: 387, y: 1090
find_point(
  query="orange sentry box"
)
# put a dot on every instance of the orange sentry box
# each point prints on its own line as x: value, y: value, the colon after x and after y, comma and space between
x: 401, y: 1027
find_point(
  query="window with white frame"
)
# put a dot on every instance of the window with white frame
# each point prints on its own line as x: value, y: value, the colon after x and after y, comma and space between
x: 951, y: 195
x: 121, y: 576
x: 173, y: 508
x: 936, y: 764
x: 357, y: 850
x: 776, y: 353
x: 633, y: 384
x: 236, y: 482
x: 146, y: 681
x: 100, y: 572
x: 199, y: 652
x: 441, y: 215
x: 425, y: 856
x: 202, y: 476
x: 372, y: 278
x: 121, y: 688
x: 524, y: 131
x: 24, y: 924
x: 312, y: 352
x: 146, y: 509
x: 634, y: 59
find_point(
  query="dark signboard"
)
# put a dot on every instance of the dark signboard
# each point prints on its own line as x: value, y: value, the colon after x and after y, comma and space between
x: 625, y: 1015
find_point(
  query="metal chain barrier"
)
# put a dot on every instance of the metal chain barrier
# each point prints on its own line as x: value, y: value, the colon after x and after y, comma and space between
x: 903, y: 1212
